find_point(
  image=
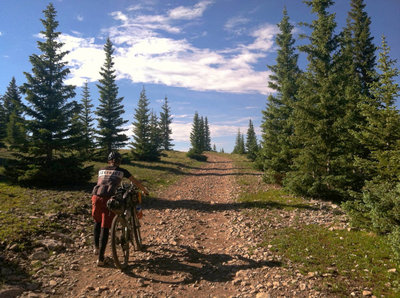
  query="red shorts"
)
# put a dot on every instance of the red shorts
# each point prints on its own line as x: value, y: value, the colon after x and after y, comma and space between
x: 100, y: 212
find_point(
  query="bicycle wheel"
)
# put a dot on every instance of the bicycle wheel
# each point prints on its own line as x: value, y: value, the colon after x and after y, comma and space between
x: 120, y: 242
x: 136, y: 231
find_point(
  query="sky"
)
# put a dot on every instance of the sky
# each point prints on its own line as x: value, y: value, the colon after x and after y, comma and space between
x: 208, y: 56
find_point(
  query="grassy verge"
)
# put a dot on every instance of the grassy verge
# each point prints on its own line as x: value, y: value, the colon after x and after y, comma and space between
x: 344, y: 260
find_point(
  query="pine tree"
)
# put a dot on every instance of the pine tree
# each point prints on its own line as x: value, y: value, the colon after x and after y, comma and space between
x: 381, y: 133
x: 110, y: 131
x: 47, y: 95
x: 141, y: 145
x: 49, y: 158
x: 277, y: 127
x: 165, y: 123
x: 207, y: 135
x: 196, y: 135
x: 239, y: 144
x: 320, y: 168
x: 362, y: 47
x: 155, y: 137
x: 14, y: 121
x: 3, y: 122
x: 214, y: 148
x: 86, y: 120
x: 251, y: 143
x: 377, y: 207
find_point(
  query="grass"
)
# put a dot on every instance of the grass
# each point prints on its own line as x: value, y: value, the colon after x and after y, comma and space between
x: 344, y: 259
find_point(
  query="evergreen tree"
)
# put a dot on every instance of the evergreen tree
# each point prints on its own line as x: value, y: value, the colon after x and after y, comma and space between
x: 47, y: 95
x: 14, y: 121
x: 110, y: 131
x: 196, y: 135
x: 277, y: 127
x: 141, y: 145
x: 86, y: 120
x: 207, y: 136
x: 377, y: 207
x: 3, y: 122
x: 49, y: 158
x: 251, y: 143
x: 202, y: 136
x: 321, y: 165
x: 239, y: 144
x: 362, y: 47
x: 155, y: 137
x: 214, y: 148
x: 165, y: 122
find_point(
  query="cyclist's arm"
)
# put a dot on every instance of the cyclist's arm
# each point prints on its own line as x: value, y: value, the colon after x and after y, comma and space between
x: 138, y: 184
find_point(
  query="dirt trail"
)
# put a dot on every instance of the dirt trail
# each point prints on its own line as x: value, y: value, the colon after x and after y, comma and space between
x: 198, y: 243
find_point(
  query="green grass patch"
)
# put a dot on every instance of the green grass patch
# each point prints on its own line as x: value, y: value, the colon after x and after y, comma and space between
x: 274, y: 198
x: 346, y: 259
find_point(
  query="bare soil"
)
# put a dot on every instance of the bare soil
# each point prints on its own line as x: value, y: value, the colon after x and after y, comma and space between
x: 199, y: 242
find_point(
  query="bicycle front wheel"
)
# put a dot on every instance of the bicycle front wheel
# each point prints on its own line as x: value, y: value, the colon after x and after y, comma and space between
x: 136, y: 232
x: 120, y: 242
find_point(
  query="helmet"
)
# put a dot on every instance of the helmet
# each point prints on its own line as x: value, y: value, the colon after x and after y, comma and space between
x: 114, y: 155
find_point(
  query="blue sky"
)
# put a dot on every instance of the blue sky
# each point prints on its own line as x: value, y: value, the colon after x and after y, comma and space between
x: 208, y: 56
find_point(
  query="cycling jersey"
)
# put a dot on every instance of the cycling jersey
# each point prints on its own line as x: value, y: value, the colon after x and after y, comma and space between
x: 109, y: 178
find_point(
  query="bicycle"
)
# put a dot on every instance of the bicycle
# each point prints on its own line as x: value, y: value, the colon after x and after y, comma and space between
x: 125, y: 227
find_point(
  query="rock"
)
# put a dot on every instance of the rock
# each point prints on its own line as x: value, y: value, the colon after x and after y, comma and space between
x: 53, y: 283
x: 39, y: 255
x: 393, y: 270
x: 52, y: 244
x: 303, y: 286
x: 10, y: 292
x: 262, y: 295
x: 367, y: 293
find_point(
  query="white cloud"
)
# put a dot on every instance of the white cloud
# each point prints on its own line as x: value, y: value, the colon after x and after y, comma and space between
x: 189, y: 13
x: 1, y: 33
x: 236, y: 25
x: 144, y: 55
x: 79, y: 18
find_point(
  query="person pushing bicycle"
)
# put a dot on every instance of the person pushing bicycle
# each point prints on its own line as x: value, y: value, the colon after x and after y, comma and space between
x: 109, y: 179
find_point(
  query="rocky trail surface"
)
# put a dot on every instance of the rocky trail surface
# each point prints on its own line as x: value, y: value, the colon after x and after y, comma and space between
x: 199, y: 242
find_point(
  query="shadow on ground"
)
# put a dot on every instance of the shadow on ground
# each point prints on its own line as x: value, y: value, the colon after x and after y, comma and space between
x: 201, y: 206
x: 181, y: 264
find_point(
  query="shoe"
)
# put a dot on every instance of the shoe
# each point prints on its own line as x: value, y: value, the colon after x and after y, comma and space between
x: 100, y: 263
x: 95, y: 251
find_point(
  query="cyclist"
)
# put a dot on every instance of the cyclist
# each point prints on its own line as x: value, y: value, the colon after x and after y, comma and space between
x: 109, y: 178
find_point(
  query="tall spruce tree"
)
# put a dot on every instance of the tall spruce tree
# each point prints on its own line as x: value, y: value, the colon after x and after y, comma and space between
x: 361, y: 44
x: 109, y: 112
x: 320, y: 167
x: 239, y: 144
x: 277, y: 127
x: 3, y: 122
x: 251, y: 142
x: 196, y: 135
x: 155, y: 137
x: 49, y: 158
x: 165, y: 126
x: 143, y: 132
x: 86, y: 120
x: 207, y: 136
x: 377, y: 207
x: 47, y: 95
x: 14, y: 121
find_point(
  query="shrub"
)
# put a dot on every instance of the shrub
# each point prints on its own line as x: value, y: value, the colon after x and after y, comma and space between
x: 197, y: 156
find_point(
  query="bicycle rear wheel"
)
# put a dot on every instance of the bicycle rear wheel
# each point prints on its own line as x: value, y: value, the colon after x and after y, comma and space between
x: 120, y: 242
x: 136, y: 232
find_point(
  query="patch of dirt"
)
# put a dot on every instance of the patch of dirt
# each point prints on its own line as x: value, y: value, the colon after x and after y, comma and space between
x: 199, y: 242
